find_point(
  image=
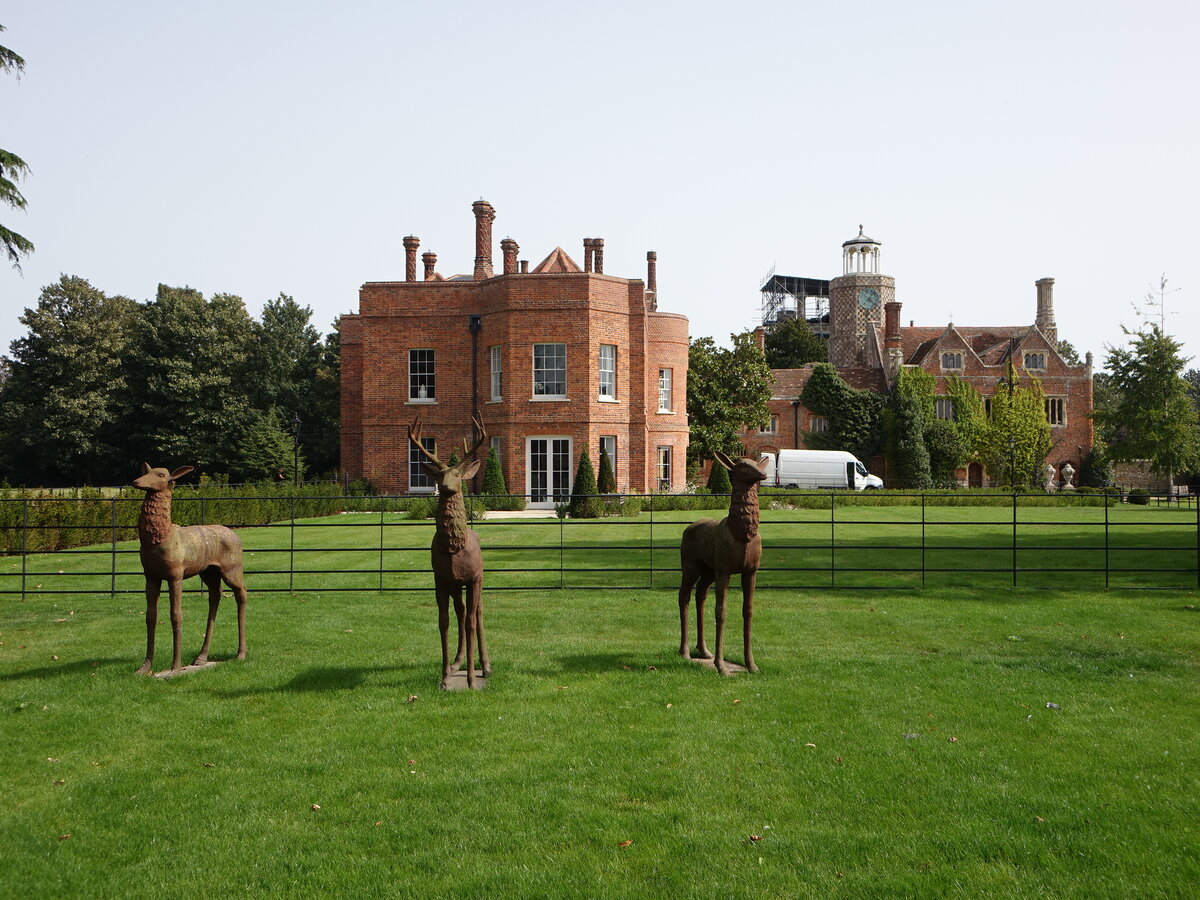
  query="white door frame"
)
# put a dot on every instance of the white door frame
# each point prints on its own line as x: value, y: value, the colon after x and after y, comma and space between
x: 549, y: 501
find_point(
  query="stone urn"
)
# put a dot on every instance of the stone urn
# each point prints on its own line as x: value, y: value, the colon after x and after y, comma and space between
x: 1068, y: 472
x: 1049, y: 481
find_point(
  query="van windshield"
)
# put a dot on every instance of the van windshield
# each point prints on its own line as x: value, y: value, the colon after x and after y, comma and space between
x: 861, y: 469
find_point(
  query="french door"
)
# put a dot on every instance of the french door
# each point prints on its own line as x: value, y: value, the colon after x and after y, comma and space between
x: 549, y: 471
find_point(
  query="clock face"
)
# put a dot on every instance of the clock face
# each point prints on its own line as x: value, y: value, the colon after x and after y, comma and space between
x: 868, y: 298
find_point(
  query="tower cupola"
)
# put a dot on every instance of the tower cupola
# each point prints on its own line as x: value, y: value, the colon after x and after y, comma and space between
x: 860, y: 254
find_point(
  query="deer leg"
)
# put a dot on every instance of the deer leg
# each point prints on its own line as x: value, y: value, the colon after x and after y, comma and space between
x: 458, y: 614
x: 747, y: 616
x: 685, y: 598
x: 175, y: 587
x: 443, y: 602
x: 702, y: 651
x: 212, y: 579
x: 484, y: 663
x: 153, y: 589
x: 722, y: 587
x: 233, y: 578
x: 472, y: 598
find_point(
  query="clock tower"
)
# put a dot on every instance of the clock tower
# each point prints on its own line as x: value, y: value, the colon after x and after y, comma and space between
x: 856, y: 301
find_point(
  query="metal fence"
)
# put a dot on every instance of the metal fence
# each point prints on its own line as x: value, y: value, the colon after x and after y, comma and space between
x: 810, y: 541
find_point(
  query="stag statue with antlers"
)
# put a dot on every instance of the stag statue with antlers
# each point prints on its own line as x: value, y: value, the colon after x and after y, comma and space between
x: 712, y: 551
x: 457, y: 557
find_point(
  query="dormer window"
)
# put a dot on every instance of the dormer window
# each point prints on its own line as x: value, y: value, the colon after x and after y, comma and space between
x: 1035, y: 360
x: 952, y: 361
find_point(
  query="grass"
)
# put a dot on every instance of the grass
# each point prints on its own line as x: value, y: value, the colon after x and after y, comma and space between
x: 895, y: 744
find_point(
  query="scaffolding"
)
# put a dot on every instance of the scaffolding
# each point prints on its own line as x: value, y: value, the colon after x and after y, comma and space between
x: 794, y: 297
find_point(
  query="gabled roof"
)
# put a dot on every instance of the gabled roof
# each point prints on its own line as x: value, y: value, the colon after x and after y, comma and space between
x: 557, y: 261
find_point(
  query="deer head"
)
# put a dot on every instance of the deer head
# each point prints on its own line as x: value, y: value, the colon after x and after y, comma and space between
x: 449, y: 478
x: 745, y: 470
x: 158, y: 479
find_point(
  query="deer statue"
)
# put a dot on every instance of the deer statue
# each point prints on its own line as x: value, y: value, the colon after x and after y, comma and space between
x: 456, y: 555
x: 712, y: 551
x: 172, y: 553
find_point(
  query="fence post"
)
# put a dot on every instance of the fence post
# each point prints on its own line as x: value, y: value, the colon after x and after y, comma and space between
x: 1107, y: 495
x: 562, y: 521
x: 1014, y: 538
x: 1198, y: 543
x: 381, y: 509
x: 292, y: 546
x: 923, y: 496
x: 24, y: 542
x: 652, y: 541
x: 832, y: 541
x: 113, y: 504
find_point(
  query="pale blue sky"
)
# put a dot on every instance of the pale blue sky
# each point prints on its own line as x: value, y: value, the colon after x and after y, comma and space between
x: 258, y: 147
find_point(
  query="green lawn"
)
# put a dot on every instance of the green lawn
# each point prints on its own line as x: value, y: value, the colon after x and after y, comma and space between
x: 895, y: 744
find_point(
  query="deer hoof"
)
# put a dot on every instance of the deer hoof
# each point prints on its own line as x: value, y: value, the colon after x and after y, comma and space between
x: 487, y: 671
x: 752, y: 668
x: 144, y: 670
x: 200, y: 661
x: 702, y: 653
x: 241, y: 654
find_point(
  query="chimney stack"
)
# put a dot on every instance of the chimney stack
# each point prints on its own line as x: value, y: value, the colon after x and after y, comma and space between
x: 524, y: 267
x: 598, y: 250
x: 510, y: 248
x: 410, y: 257
x: 891, y: 323
x: 1045, y: 309
x: 588, y: 248
x: 651, y: 281
x: 430, y: 260
x: 484, y: 216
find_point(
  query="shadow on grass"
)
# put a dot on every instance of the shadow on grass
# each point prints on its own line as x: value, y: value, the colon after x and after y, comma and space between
x: 70, y: 668
x: 596, y: 663
x: 341, y: 678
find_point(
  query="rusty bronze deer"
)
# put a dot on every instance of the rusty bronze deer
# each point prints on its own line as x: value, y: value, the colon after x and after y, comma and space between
x: 172, y: 553
x: 712, y: 552
x: 456, y: 556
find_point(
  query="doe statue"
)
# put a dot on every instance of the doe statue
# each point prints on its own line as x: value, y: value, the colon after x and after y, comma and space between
x: 456, y: 556
x: 172, y: 553
x: 712, y: 551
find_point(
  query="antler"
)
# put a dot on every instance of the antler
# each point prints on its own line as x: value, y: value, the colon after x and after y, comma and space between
x: 479, y: 443
x: 414, y: 435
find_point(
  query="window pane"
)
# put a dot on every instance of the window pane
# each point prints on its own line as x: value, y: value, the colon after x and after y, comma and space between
x: 608, y: 371
x: 550, y: 370
x: 664, y: 390
x: 417, y: 476
x: 420, y: 375
x: 497, y: 374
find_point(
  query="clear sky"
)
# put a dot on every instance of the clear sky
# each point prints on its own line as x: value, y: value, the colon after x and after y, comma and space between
x: 258, y: 147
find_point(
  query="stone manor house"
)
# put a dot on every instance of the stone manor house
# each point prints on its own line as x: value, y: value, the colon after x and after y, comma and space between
x: 859, y: 314
x: 554, y: 360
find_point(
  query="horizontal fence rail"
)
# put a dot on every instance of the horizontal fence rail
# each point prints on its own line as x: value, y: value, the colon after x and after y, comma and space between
x: 811, y: 540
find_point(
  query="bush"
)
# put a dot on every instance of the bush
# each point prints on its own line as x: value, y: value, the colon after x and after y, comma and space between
x: 606, y: 481
x: 718, y: 479
x: 1139, y: 496
x: 584, y: 502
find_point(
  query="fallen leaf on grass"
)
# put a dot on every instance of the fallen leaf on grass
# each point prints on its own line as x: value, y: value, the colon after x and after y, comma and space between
x: 411, y: 698
x: 412, y: 762
x: 838, y: 760
x: 737, y: 701
x: 209, y: 766
x: 1038, y: 819
x: 377, y: 824
x: 756, y: 837
x: 814, y: 746
x: 1053, y: 706
x: 315, y: 807
x: 63, y: 837
x: 60, y: 781
x: 54, y: 657
x: 60, y: 620
x: 651, y: 668
x: 669, y: 705
x: 952, y: 740
x: 561, y: 687
x: 624, y: 844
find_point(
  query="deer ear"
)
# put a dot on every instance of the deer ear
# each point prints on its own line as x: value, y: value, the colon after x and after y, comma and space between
x: 180, y: 472
x: 145, y: 467
x: 723, y: 459
x: 469, y: 471
x: 763, y: 463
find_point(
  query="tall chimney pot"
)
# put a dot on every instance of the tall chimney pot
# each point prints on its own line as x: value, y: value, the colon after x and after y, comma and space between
x: 484, y: 216
x: 430, y: 260
x: 598, y: 250
x: 510, y: 248
x: 411, y: 244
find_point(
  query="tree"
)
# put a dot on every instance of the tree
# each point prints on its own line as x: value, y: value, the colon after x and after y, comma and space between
x: 790, y: 344
x: 909, y: 412
x: 1017, y: 438
x: 493, y: 476
x: 322, y: 418
x: 584, y: 502
x: 189, y: 379
x: 606, y: 481
x: 1152, y: 416
x: 64, y: 399
x: 854, y: 416
x: 718, y: 479
x: 1068, y: 352
x: 12, y: 168
x: 264, y: 446
x: 727, y: 392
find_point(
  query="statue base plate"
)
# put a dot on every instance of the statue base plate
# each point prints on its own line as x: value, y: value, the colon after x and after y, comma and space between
x: 732, y: 667
x: 458, y: 681
x: 171, y: 673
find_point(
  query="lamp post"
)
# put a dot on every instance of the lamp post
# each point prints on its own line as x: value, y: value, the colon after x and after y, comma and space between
x: 295, y: 449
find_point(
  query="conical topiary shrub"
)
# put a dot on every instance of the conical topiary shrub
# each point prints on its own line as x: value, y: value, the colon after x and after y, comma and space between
x: 718, y: 479
x: 606, y: 483
x: 584, y: 502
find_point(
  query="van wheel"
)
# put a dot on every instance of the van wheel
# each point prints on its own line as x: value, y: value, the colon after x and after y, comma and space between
x: 870, y: 487
x: 793, y: 487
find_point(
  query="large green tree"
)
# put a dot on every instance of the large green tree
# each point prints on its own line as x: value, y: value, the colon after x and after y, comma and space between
x: 12, y: 169
x: 190, y: 380
x: 322, y: 435
x: 790, y: 344
x: 1148, y: 413
x: 1017, y: 438
x: 727, y: 393
x: 854, y: 416
x: 64, y: 398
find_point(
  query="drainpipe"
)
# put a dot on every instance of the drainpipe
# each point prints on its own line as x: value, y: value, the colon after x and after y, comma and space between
x: 475, y: 324
x: 795, y: 424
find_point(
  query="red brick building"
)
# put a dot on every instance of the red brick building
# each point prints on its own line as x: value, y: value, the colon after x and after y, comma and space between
x: 868, y: 345
x: 554, y: 361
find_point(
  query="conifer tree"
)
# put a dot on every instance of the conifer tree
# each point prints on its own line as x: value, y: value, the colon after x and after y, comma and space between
x: 584, y: 502
x: 606, y: 482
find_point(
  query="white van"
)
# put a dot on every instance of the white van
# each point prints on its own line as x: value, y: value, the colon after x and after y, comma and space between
x: 818, y: 470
